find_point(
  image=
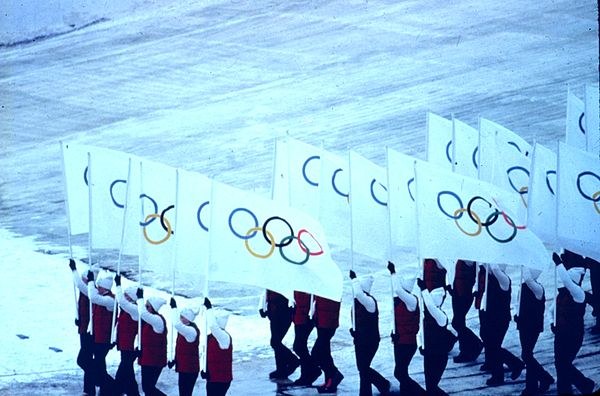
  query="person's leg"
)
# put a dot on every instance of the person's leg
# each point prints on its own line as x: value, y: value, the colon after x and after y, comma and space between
x: 363, y: 361
x: 131, y: 385
x: 85, y: 360
x: 528, y: 340
x: 403, y: 354
x: 149, y: 379
x: 284, y: 358
x: 309, y: 369
x: 186, y: 383
x: 104, y: 380
x: 469, y: 344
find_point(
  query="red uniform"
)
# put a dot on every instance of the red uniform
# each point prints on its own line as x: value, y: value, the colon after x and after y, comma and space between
x: 127, y: 329
x: 302, y: 308
x: 154, y: 346
x: 407, y: 323
x: 327, y: 313
x: 219, y: 361
x: 187, y: 353
x: 433, y: 276
x: 83, y: 307
x: 102, y: 323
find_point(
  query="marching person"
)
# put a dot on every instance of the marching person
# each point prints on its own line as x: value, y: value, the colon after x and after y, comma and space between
x: 103, y: 305
x: 187, y: 352
x: 154, y: 343
x: 366, y: 336
x: 594, y: 297
x: 406, y: 327
x: 219, y: 363
x: 280, y: 318
x: 327, y: 320
x: 530, y: 323
x: 480, y: 293
x: 303, y: 326
x: 127, y: 329
x: 497, y: 321
x: 434, y: 274
x: 438, y: 339
x: 469, y: 344
x: 85, y: 357
x: 569, y: 329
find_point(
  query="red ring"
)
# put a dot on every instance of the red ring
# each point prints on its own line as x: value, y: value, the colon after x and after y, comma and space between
x: 511, y: 223
x: 314, y: 239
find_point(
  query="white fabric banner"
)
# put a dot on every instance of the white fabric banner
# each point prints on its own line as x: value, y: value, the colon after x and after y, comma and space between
x: 193, y: 221
x: 368, y: 205
x: 576, y: 136
x: 439, y: 141
x: 464, y: 217
x: 465, y: 140
x: 541, y: 203
x: 578, y: 201
x: 259, y: 242
x: 401, y: 191
x: 75, y: 163
x: 334, y: 199
x: 280, y: 189
x: 592, y: 119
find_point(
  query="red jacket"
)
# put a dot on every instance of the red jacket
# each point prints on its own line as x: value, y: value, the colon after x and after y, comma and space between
x: 481, y: 284
x: 327, y: 313
x: 432, y: 275
x: 302, y: 308
x: 154, y: 346
x: 127, y: 329
x: 407, y: 323
x: 464, y: 279
x: 83, y: 308
x: 102, y: 323
x: 219, y: 361
x: 187, y: 354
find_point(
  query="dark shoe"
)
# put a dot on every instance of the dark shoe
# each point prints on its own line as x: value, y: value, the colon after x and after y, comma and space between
x: 516, y: 373
x: 331, y: 383
x: 484, y: 367
x: 588, y: 387
x: 308, y: 379
x: 276, y: 375
x: 290, y: 368
x: 385, y: 390
x: 495, y: 381
x: 463, y: 358
x: 546, y: 382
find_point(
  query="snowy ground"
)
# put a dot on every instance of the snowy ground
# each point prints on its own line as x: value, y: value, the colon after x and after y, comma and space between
x: 208, y: 87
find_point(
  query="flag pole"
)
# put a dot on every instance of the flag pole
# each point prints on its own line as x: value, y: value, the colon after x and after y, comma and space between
x: 390, y: 245
x: 113, y: 333
x: 204, y: 333
x: 350, y: 195
x: 89, y: 157
x: 66, y: 192
x: 174, y: 257
x: 141, y: 241
x: 420, y: 260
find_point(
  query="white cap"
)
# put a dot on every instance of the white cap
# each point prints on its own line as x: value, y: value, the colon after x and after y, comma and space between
x: 576, y: 273
x: 437, y: 295
x: 366, y: 282
x: 105, y: 281
x: 156, y: 302
x: 221, y: 317
x: 95, y: 269
x: 408, y: 281
x: 189, y: 313
x: 131, y: 291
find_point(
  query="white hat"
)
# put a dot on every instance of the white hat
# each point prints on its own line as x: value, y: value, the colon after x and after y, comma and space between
x: 189, y: 313
x: 131, y: 291
x: 221, y: 317
x: 105, y: 281
x: 437, y: 295
x: 530, y: 273
x: 156, y: 302
x: 94, y: 268
x: 408, y: 282
x: 366, y: 282
x: 576, y: 273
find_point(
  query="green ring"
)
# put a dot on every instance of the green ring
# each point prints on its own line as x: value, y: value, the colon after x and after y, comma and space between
x: 512, y: 223
x: 286, y: 241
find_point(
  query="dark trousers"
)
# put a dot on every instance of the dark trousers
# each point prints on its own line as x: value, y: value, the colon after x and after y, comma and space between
x: 434, y: 365
x: 365, y: 352
x: 595, y: 282
x: 496, y: 356
x: 217, y: 388
x: 280, y: 324
x: 103, y: 379
x: 125, y: 381
x: 186, y: 383
x: 85, y: 360
x: 403, y: 354
x: 150, y: 376
x: 566, y: 346
x: 321, y: 352
x: 468, y: 343
x: 534, y: 371
x: 301, y: 334
x: 483, y: 328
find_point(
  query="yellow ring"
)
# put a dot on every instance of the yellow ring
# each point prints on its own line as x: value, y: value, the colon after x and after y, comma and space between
x: 156, y: 216
x: 522, y: 192
x: 594, y: 197
x: 260, y: 256
x: 479, y: 227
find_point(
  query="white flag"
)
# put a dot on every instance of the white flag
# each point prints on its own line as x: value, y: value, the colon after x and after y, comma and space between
x: 576, y: 136
x: 334, y: 198
x: 260, y: 242
x: 541, y: 204
x: 75, y: 164
x: 439, y: 141
x: 592, y: 119
x: 465, y: 140
x: 464, y: 217
x: 368, y: 205
x: 578, y: 201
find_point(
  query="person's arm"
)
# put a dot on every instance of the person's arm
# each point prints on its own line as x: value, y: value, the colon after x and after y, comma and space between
x: 574, y: 289
x: 188, y: 332
x: 536, y: 288
x: 365, y: 300
x: 501, y: 276
x: 409, y: 299
x: 223, y: 339
x: 153, y: 320
x: 126, y: 305
x: 437, y: 313
x: 82, y: 287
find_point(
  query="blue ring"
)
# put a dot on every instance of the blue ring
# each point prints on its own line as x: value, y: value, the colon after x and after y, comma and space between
x: 579, y: 185
x: 550, y: 172
x: 448, y: 151
x: 515, y: 145
x: 142, y: 223
x: 474, y: 157
x: 408, y: 188
x: 85, y: 174
x: 581, y: 128
x: 511, y: 169
x: 333, y: 183
x: 205, y: 228
x: 312, y: 183
x: 118, y: 205
x: 231, y: 225
x: 373, y: 193
x: 457, y: 198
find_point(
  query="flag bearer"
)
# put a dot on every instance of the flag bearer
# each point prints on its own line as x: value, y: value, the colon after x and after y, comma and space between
x: 303, y: 326
x: 187, y: 352
x: 327, y: 320
x: 406, y: 327
x: 127, y: 328
x: 219, y: 364
x: 154, y: 343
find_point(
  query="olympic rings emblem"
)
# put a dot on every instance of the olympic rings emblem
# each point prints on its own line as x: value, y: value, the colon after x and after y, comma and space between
x: 595, y: 197
x: 581, y: 128
x: 309, y: 159
x: 271, y: 239
x: 335, y: 188
x: 480, y: 222
x: 380, y: 202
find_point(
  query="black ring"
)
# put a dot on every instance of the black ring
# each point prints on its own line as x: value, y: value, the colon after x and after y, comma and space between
x: 264, y: 231
x: 488, y: 222
x: 514, y: 168
x: 474, y: 157
x: 548, y: 173
x: 579, y: 185
x: 515, y: 145
x: 85, y: 176
x: 162, y: 220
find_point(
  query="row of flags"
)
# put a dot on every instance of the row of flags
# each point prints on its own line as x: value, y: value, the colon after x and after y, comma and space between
x: 482, y: 194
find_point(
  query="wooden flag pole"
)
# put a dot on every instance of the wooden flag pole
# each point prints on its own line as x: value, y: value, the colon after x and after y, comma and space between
x: 173, y: 259
x: 89, y: 157
x: 141, y: 241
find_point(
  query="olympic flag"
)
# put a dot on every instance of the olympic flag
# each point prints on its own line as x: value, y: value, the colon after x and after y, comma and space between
x: 334, y: 198
x: 463, y: 217
x: 578, y: 201
x: 439, y: 141
x: 368, y: 206
x: 541, y: 204
x: 260, y: 242
x: 576, y: 136
x: 592, y: 119
x: 75, y: 164
x: 465, y: 150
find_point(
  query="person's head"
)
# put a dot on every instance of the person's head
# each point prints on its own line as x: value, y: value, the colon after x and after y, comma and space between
x: 154, y: 303
x: 221, y: 317
x: 130, y: 294
x: 531, y: 273
x: 104, y: 282
x: 366, y: 282
x: 95, y: 269
x: 187, y: 315
x: 408, y: 282
x: 438, y: 295
x: 576, y: 274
